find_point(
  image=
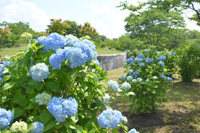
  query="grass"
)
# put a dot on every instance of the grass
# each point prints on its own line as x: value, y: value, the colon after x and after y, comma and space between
x: 15, y: 50
x: 102, y: 51
x: 10, y: 51
x: 180, y: 114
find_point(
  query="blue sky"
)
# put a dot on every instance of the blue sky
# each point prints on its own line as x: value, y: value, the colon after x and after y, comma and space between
x: 101, y: 14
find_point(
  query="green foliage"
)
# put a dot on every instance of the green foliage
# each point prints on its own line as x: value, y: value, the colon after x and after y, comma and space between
x: 148, y: 89
x: 73, y: 28
x: 188, y: 62
x: 152, y: 24
x: 88, y: 30
x: 56, y: 25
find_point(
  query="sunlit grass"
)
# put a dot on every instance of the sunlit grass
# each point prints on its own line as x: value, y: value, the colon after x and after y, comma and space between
x: 10, y: 51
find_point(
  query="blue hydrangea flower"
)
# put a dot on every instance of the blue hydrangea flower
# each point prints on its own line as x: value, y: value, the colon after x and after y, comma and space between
x: 56, y: 109
x: 76, y: 56
x: 110, y: 118
x: 140, y: 55
x: 43, y: 98
x: 147, y: 80
x: 130, y: 60
x: 162, y: 76
x: 139, y: 80
x: 55, y: 61
x: 87, y: 49
x: 173, y: 53
x: 70, y: 106
x: 138, y: 60
x: 161, y: 58
x: 6, y: 117
x: 133, y: 131
x: 61, y: 108
x: 38, y: 127
x: 125, y: 85
x: 52, y: 42
x: 7, y: 63
x: 106, y: 99
x: 142, y: 64
x: 161, y: 63
x: 39, y: 72
x: 148, y: 60
x: 136, y: 74
x: 129, y: 78
x: 123, y: 77
x: 130, y: 71
x: 90, y: 44
x: 113, y: 84
x: 169, y: 78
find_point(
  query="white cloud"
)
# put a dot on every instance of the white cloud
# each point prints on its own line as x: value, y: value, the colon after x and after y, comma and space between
x: 108, y: 20
x: 20, y: 10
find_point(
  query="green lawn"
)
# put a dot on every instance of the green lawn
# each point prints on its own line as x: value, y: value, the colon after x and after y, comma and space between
x: 180, y: 114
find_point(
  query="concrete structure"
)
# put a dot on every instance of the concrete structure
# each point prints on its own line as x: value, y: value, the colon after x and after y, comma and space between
x: 111, y: 61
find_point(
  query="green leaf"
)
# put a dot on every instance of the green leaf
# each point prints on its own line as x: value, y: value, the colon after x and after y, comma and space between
x: 79, y: 129
x: 30, y: 89
x: 20, y: 99
x: 53, y: 85
x: 17, y: 112
x: 75, y: 117
x: 32, y: 82
x: 39, y: 86
x: 45, y: 116
x: 7, y: 86
x: 50, y: 125
x: 92, y: 131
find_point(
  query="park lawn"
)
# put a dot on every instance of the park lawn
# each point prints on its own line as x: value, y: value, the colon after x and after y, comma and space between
x: 10, y: 51
x: 180, y: 114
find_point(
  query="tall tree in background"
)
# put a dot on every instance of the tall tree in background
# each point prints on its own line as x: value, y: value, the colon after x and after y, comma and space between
x: 4, y: 34
x: 88, y: 30
x: 57, y: 26
x: 73, y: 28
x: 152, y: 24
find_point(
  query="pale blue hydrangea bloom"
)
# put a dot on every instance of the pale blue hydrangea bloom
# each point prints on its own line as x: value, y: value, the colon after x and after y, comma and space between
x: 140, y: 55
x: 147, y: 80
x: 70, y: 106
x: 38, y: 127
x: 60, y: 108
x: 125, y: 85
x: 1, y: 68
x: 129, y: 78
x: 169, y: 78
x: 139, y: 80
x: 161, y: 58
x: 55, y: 61
x: 72, y: 40
x: 123, y: 77
x: 142, y: 64
x: 134, y: 81
x: 106, y: 99
x: 148, y: 60
x: 110, y: 118
x: 89, y: 43
x: 6, y: 117
x: 76, y: 56
x: 113, y: 84
x: 161, y: 63
x: 133, y: 131
x: 53, y: 41
x: 87, y: 49
x: 130, y: 71
x: 162, y: 76
x: 43, y: 98
x: 137, y: 60
x: 39, y: 72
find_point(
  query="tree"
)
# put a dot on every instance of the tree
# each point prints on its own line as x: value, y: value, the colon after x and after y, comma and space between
x: 152, y: 24
x: 88, y: 30
x: 4, y: 34
x: 57, y: 26
x: 73, y: 28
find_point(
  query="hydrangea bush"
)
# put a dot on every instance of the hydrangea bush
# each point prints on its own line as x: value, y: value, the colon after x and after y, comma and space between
x: 146, y: 80
x: 55, y: 85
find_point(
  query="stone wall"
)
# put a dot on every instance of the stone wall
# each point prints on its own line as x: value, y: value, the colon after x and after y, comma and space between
x: 111, y: 61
